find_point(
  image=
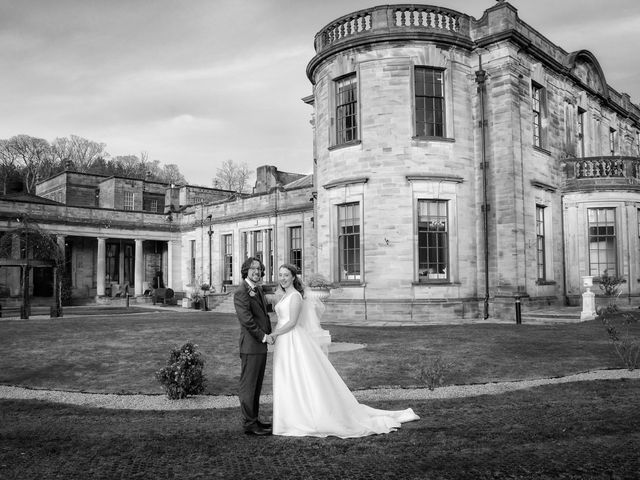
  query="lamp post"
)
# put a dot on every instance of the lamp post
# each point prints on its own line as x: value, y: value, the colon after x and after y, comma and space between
x: 210, y: 232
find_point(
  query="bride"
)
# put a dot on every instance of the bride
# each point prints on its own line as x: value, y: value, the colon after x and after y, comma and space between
x: 309, y: 397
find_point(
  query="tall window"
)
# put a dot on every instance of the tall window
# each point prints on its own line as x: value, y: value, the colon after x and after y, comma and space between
x: 153, y: 205
x: 269, y: 272
x: 257, y: 245
x: 612, y: 141
x: 602, y: 241
x: 113, y: 262
x: 433, y: 240
x: 129, y: 264
x: 346, y: 110
x: 581, y: 132
x: 128, y: 200
x: 429, y: 108
x: 349, y: 241
x: 192, y: 261
x: 541, y: 258
x: 536, y: 96
x: 295, y: 247
x: 227, y: 261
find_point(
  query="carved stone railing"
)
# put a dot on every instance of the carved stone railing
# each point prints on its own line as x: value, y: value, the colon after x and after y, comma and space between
x: 390, y: 19
x: 602, y: 171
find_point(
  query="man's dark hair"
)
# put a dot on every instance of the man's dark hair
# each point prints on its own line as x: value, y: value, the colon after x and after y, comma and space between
x: 244, y: 271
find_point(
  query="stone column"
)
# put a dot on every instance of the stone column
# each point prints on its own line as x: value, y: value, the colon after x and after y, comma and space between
x: 170, y: 264
x: 101, y: 270
x: 139, y: 268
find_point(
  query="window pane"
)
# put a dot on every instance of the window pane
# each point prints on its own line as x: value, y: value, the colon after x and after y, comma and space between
x: 429, y: 102
x: 349, y: 241
x: 433, y: 240
x: 602, y: 241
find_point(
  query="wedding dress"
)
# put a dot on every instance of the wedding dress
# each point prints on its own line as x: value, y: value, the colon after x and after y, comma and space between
x: 309, y: 397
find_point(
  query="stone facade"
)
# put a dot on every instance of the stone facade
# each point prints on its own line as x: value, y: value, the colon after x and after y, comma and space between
x: 518, y: 112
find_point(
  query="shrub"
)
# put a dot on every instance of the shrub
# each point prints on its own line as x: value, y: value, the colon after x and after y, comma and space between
x: 626, y: 346
x: 316, y: 280
x: 432, y: 372
x: 182, y: 376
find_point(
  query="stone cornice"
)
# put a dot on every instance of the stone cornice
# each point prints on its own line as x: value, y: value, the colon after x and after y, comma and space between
x: 343, y: 182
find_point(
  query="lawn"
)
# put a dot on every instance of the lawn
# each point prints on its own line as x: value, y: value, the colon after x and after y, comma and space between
x: 120, y: 353
x: 573, y: 431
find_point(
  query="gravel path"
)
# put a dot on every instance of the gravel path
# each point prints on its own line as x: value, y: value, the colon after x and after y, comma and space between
x: 161, y: 402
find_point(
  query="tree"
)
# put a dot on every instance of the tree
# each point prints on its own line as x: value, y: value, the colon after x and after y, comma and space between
x: 232, y: 176
x: 8, y: 166
x: 171, y: 174
x: 81, y: 152
x: 35, y: 156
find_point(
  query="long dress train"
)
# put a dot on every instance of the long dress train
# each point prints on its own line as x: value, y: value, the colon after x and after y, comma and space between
x: 310, y: 398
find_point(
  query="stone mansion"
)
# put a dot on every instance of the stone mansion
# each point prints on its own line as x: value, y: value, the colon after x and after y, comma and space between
x: 459, y: 164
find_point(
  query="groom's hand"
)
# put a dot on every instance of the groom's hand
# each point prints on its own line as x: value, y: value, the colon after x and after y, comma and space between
x: 270, y: 339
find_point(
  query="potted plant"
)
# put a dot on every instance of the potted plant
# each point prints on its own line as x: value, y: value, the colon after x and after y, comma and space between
x: 319, y: 286
x: 205, y: 300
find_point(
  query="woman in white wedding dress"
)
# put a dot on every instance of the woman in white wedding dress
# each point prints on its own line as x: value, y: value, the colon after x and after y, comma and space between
x: 309, y: 397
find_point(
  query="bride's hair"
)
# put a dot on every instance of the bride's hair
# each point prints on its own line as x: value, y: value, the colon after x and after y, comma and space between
x: 297, y: 284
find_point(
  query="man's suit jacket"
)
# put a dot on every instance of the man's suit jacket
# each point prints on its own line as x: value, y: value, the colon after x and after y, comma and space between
x: 253, y: 317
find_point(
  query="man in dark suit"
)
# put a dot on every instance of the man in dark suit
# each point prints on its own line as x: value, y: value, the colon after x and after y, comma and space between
x: 255, y: 330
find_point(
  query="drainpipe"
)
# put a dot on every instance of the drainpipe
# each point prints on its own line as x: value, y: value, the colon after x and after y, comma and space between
x: 481, y: 77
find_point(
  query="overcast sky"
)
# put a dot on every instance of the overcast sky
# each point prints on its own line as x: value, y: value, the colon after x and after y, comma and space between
x: 197, y: 82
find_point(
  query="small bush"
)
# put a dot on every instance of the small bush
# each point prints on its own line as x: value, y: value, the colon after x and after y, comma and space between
x: 626, y: 346
x: 432, y: 372
x: 183, y: 374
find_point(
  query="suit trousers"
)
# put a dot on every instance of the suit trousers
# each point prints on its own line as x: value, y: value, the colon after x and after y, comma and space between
x: 251, y: 376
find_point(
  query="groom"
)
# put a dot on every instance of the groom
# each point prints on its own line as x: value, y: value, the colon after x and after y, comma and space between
x: 255, y: 330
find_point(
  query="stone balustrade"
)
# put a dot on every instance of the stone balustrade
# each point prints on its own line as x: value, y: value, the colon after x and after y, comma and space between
x: 591, y: 172
x: 390, y: 19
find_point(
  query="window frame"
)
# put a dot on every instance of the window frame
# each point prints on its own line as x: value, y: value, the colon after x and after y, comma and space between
x: 226, y: 241
x: 352, y: 107
x: 295, y: 246
x: 427, y: 234
x: 423, y: 133
x: 128, y: 201
x: 541, y: 247
x: 537, y: 114
x: 612, y: 141
x: 355, y: 257
x: 581, y: 132
x: 610, y: 264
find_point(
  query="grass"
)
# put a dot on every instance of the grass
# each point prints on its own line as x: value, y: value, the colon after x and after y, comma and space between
x: 117, y: 353
x: 576, y: 430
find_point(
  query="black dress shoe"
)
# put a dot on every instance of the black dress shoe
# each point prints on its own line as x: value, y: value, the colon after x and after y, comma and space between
x: 265, y: 425
x: 257, y: 431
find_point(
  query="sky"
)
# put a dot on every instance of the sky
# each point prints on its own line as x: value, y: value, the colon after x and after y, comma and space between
x: 198, y: 82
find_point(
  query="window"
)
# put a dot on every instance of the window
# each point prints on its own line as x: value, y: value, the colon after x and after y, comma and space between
x: 128, y: 200
x: 112, y: 266
x: 536, y: 95
x: 602, y: 241
x: 349, y: 241
x: 433, y: 240
x: 581, y: 150
x: 295, y: 247
x: 192, y: 261
x: 257, y: 245
x: 129, y: 264
x: 541, y: 259
x: 269, y: 266
x: 429, y: 108
x: 346, y: 110
x: 612, y: 141
x: 227, y: 261
x: 153, y: 206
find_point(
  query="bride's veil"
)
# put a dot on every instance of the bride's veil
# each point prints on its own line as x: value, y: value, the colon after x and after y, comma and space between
x: 309, y: 319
